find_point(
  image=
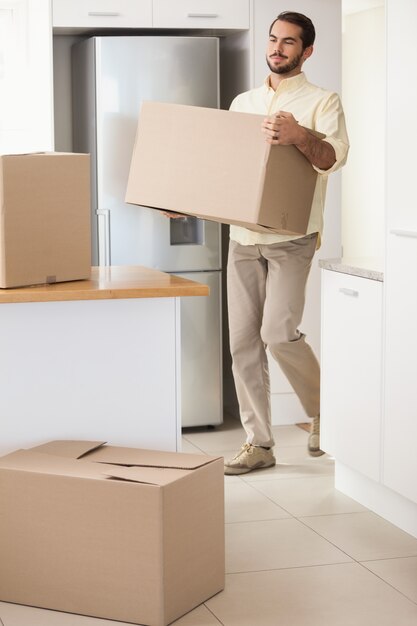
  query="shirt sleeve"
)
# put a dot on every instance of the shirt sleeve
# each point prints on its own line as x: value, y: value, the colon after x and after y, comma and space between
x: 331, y: 122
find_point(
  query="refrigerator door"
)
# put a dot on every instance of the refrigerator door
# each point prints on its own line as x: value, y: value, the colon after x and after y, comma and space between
x: 127, y: 71
x: 201, y: 354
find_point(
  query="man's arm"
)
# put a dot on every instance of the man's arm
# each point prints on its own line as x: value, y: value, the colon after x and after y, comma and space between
x: 319, y: 152
x: 283, y: 129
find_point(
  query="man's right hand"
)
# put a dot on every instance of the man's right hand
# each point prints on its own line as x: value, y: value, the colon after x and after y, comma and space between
x: 172, y: 214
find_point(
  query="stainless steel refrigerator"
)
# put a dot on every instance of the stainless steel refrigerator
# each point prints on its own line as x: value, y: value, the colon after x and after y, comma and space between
x: 112, y: 75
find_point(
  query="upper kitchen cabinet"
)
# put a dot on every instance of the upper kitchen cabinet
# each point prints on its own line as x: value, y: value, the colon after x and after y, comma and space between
x: 26, y: 102
x: 97, y: 14
x: 81, y: 15
x: 216, y: 14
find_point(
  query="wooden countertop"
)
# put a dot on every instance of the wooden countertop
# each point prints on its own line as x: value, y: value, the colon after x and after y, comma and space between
x: 106, y: 283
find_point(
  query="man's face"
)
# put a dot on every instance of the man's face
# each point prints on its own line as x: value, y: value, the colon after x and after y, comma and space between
x: 285, y: 54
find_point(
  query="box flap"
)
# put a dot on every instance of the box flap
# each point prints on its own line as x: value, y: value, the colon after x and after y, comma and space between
x: 36, y: 462
x: 72, y: 449
x: 148, y: 458
x: 149, y: 475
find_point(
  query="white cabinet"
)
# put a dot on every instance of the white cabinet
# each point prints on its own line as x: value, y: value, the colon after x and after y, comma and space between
x: 351, y: 371
x: 105, y: 369
x: 195, y: 14
x: 400, y: 427
x: 400, y: 418
x: 102, y: 13
x: 26, y: 101
x: 201, y: 14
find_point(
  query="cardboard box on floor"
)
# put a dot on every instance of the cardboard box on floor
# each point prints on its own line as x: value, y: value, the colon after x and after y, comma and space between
x: 217, y: 165
x: 45, y: 218
x: 111, y: 532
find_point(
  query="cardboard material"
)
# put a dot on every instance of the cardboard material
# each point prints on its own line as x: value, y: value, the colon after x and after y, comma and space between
x: 45, y: 218
x: 217, y: 165
x: 111, y: 532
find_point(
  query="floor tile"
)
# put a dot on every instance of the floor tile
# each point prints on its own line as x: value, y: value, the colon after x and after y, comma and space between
x: 244, y: 504
x: 364, y: 536
x: 309, y: 496
x: 276, y: 544
x: 290, y: 435
x: 188, y: 447
x: 201, y: 616
x: 335, y: 595
x: 228, y: 436
x: 400, y: 573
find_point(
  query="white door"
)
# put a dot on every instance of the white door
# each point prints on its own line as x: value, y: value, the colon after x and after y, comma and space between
x: 400, y: 419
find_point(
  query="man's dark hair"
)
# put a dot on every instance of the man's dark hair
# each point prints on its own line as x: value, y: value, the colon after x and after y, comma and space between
x: 308, y: 32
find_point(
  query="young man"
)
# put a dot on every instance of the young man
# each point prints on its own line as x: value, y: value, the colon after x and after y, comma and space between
x: 267, y: 273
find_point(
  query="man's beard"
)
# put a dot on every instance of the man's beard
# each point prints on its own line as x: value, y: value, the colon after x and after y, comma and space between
x: 284, y: 69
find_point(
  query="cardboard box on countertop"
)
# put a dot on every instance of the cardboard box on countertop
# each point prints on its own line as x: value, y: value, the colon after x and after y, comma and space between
x: 118, y: 533
x: 45, y: 233
x: 216, y: 165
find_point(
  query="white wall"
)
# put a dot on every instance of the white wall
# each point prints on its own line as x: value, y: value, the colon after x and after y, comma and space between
x: 363, y: 93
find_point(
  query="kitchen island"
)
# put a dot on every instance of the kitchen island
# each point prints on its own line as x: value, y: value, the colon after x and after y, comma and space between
x: 94, y: 359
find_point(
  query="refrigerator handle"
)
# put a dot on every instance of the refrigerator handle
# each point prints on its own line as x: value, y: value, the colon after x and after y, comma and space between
x: 103, y: 218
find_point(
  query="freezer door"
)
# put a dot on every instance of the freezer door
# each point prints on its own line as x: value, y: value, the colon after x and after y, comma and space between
x: 130, y: 70
x: 201, y: 354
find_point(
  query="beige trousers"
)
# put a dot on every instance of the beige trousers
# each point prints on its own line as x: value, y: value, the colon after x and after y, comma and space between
x: 266, y: 295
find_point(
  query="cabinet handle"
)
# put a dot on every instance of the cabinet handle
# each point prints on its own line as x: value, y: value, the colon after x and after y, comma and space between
x: 103, y: 13
x: 404, y: 233
x: 202, y: 15
x: 349, y: 292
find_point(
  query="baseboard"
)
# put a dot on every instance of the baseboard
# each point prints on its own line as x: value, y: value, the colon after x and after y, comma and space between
x: 286, y: 409
x: 376, y: 497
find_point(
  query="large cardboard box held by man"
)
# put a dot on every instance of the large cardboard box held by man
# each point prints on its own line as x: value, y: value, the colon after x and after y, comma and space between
x: 217, y: 165
x: 45, y: 218
x: 119, y: 533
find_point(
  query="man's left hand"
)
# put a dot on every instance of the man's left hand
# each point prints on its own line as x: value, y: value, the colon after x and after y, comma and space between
x: 282, y: 129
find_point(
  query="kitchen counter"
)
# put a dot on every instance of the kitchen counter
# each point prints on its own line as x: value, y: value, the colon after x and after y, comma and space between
x: 112, y: 282
x: 96, y: 359
x: 363, y: 267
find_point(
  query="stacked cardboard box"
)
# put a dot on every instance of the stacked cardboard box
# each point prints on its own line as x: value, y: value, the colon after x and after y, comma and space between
x: 45, y: 218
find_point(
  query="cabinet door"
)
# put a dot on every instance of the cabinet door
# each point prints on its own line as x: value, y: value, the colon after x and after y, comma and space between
x: 26, y: 102
x: 102, y: 13
x: 351, y: 371
x: 400, y: 422
x: 400, y: 419
x: 201, y: 14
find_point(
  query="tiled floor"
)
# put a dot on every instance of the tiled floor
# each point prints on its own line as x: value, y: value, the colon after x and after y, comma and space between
x: 298, y: 553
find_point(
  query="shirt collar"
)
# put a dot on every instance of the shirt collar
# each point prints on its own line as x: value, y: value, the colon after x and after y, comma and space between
x: 288, y: 84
